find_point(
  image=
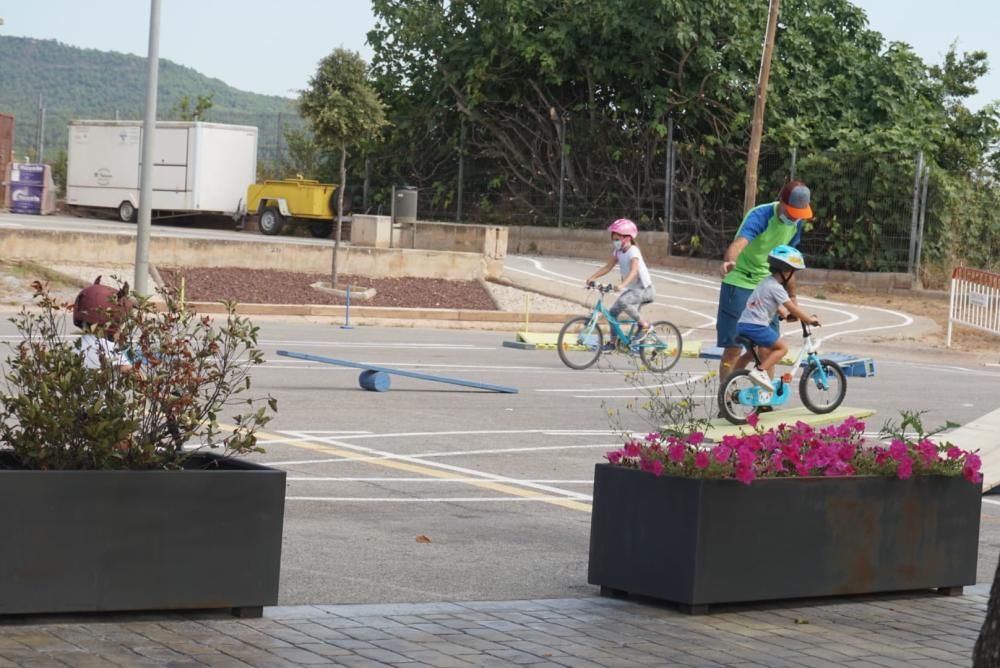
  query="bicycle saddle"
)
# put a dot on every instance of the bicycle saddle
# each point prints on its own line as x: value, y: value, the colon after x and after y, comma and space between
x: 745, y: 341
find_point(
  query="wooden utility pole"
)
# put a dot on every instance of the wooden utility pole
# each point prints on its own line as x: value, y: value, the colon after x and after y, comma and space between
x: 757, y: 126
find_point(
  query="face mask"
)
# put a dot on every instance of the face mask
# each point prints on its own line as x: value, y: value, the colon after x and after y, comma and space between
x: 786, y: 220
x: 617, y: 243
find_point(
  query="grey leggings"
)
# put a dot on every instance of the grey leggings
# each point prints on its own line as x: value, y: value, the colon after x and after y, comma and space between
x: 630, y: 301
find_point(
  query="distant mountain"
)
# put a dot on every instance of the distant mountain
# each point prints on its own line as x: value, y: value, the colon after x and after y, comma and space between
x: 80, y: 83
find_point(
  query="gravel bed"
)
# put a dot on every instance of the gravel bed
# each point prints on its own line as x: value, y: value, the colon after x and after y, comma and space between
x: 268, y: 286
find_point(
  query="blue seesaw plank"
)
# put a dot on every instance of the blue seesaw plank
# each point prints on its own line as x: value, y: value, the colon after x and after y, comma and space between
x: 400, y: 372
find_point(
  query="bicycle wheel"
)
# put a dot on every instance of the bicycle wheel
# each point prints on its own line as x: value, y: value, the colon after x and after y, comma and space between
x: 579, y: 343
x: 729, y: 392
x: 661, y: 348
x: 819, y: 399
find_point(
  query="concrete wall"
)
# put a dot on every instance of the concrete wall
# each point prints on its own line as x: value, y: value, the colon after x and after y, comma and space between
x: 115, y: 248
x: 371, y: 230
x: 596, y: 245
x: 591, y: 244
x: 379, y: 232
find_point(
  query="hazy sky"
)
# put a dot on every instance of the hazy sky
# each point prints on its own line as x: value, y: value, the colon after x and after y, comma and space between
x: 273, y: 47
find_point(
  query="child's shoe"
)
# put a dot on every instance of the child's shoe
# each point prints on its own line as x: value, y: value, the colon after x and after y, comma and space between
x: 609, y: 347
x: 640, y: 335
x: 760, y: 377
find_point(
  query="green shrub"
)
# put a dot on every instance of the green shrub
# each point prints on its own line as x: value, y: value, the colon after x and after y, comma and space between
x: 57, y: 414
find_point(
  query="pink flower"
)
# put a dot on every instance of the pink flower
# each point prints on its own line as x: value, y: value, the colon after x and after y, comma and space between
x: 657, y: 468
x: 631, y: 449
x: 745, y: 456
x: 975, y: 477
x: 897, y: 450
x: 615, y: 456
x: 954, y: 452
x: 744, y: 473
x: 905, y: 468
x: 928, y: 451
x: 854, y: 424
x: 881, y: 456
x: 971, y: 468
x: 701, y: 460
x: 847, y: 452
x: 696, y: 438
x: 752, y: 420
x: 652, y: 436
x: 721, y: 453
x: 676, y: 452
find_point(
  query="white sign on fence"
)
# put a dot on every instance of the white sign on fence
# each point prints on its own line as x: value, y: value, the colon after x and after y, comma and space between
x: 975, y: 300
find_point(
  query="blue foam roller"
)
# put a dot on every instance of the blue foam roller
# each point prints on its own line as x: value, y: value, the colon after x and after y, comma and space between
x: 374, y: 381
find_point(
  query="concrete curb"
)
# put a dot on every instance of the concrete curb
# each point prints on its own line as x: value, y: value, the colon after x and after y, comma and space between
x: 417, y: 316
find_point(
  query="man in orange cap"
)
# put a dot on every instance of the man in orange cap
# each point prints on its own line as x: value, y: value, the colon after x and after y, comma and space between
x: 744, y: 264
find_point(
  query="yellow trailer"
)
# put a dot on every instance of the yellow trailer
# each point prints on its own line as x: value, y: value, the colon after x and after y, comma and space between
x: 280, y: 201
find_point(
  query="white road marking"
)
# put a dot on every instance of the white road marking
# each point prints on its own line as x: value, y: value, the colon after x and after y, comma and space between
x: 423, y: 480
x: 415, y: 459
x: 638, y: 396
x: 692, y: 379
x: 992, y: 502
x: 388, y: 345
x: 467, y: 499
x: 440, y: 454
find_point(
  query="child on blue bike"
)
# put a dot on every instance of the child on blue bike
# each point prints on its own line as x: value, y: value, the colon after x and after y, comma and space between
x: 770, y: 298
x: 636, y: 284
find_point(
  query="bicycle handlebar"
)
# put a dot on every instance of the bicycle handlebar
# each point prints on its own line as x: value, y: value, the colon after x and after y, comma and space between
x: 601, y: 287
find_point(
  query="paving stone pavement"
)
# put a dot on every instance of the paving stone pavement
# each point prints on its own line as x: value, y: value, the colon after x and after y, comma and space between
x: 898, y: 631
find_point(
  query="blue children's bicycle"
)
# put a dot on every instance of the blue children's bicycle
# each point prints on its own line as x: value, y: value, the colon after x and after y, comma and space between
x: 581, y: 340
x: 822, y: 388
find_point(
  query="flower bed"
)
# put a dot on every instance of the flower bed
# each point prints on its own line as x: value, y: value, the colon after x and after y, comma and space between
x: 796, y: 450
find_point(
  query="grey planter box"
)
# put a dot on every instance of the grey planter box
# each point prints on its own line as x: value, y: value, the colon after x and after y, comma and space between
x: 705, y: 542
x: 88, y: 541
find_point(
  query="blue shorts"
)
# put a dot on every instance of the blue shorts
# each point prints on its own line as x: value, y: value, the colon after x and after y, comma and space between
x: 762, y: 335
x: 732, y: 301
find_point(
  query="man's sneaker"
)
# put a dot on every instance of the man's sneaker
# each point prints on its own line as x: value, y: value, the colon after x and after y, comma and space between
x: 760, y: 377
x: 640, y: 335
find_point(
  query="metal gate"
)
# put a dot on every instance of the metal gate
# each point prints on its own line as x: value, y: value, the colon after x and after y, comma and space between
x: 975, y: 300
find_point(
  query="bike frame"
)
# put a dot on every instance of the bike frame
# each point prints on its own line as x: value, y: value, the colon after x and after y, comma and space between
x: 600, y: 310
x: 810, y: 354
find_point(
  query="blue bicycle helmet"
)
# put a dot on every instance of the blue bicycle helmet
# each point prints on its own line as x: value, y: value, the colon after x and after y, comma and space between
x: 785, y: 258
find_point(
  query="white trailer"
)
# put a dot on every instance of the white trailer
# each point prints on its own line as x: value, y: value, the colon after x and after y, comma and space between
x: 197, y: 167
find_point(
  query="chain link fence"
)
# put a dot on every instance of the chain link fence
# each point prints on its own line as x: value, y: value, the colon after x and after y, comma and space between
x: 867, y: 206
x: 866, y: 212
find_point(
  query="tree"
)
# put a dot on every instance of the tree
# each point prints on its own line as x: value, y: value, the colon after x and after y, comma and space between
x: 187, y: 109
x: 344, y: 111
x: 836, y: 86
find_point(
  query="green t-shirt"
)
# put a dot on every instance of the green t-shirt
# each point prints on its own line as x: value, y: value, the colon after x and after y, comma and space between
x: 765, y: 230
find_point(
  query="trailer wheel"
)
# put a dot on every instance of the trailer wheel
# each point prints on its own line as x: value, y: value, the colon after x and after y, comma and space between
x: 126, y: 212
x: 271, y: 221
x: 321, y: 229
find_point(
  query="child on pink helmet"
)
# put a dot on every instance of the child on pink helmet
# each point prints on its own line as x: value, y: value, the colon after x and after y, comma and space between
x: 636, y: 284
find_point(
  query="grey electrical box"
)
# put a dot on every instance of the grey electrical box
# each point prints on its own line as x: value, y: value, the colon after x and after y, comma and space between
x: 406, y: 204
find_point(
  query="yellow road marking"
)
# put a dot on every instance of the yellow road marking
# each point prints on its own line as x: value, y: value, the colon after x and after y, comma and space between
x: 431, y: 472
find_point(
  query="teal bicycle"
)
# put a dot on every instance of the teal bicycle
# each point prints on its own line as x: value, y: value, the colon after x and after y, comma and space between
x: 822, y: 388
x: 581, y: 340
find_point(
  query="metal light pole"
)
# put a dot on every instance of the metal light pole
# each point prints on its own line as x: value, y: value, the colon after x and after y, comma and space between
x: 148, y: 141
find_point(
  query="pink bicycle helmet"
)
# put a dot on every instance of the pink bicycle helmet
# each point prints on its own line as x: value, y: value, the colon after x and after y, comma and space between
x: 625, y: 227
